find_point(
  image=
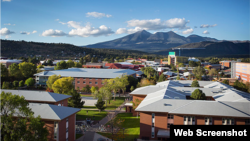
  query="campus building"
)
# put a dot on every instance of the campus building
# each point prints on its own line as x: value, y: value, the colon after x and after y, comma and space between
x: 59, y: 119
x: 7, y: 63
x: 85, y: 76
x: 169, y: 103
x: 242, y: 71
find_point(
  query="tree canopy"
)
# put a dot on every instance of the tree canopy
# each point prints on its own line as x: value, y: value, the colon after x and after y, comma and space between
x: 18, y: 121
x: 29, y: 82
x: 27, y: 69
x: 195, y: 83
x: 63, y: 85
x: 51, y: 80
x: 61, y: 65
x: 198, y: 72
x: 162, y: 78
x: 75, y: 101
x: 198, y: 94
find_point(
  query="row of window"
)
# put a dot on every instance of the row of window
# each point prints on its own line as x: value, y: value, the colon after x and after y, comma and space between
x: 78, y: 82
x: 89, y: 78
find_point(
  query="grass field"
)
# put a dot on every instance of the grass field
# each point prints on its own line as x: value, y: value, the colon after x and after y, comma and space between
x: 113, y: 104
x: 82, y: 115
x: 131, y: 125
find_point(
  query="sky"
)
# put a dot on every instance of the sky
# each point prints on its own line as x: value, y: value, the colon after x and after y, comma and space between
x: 84, y: 22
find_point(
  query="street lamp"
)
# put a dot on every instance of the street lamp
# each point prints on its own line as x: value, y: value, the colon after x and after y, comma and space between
x: 123, y: 133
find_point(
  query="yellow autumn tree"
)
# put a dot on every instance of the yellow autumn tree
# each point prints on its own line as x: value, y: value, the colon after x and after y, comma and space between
x: 63, y: 85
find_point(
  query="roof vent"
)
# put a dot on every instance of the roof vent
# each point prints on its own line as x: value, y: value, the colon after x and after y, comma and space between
x: 176, y: 98
x: 59, y: 104
x: 165, y: 104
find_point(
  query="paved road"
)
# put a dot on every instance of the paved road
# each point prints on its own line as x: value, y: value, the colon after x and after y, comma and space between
x: 90, y: 135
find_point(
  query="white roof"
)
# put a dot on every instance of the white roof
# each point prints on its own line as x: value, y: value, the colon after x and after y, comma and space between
x: 171, y: 97
x: 38, y: 95
x: 88, y: 73
x: 52, y: 112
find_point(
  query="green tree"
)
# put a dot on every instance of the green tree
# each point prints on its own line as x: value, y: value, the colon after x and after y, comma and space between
x: 4, y: 71
x: 70, y: 64
x: 78, y: 65
x: 132, y: 88
x: 40, y: 66
x: 195, y: 83
x: 87, y: 88
x: 198, y: 72
x: 49, y: 63
x: 148, y: 71
x: 21, y: 83
x: 225, y: 81
x: 61, y: 65
x: 198, y: 94
x: 214, y: 61
x: 63, y: 85
x: 162, y: 78
x: 100, y: 105
x: 51, y: 80
x: 29, y: 82
x: 93, y: 89
x: 192, y: 64
x: 15, y: 83
x: 75, y: 101
x: 15, y: 71
x: 123, y: 83
x: 27, y: 69
x: 180, y: 65
x: 212, y: 72
x: 6, y: 85
x: 18, y: 121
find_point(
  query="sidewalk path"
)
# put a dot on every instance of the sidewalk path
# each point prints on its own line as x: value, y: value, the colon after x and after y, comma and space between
x: 90, y: 135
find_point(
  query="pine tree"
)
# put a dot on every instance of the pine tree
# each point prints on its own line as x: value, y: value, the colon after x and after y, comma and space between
x: 198, y: 94
x: 162, y: 78
x: 100, y: 104
x: 195, y: 83
x: 75, y: 100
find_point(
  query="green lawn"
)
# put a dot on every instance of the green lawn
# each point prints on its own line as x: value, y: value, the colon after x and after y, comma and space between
x: 131, y: 125
x: 86, y: 95
x: 114, y: 104
x: 82, y: 115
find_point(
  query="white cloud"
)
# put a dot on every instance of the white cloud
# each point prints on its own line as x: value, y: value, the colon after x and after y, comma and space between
x: 205, y: 32
x: 188, y: 31
x: 157, y: 24
x: 34, y: 31
x: 53, y: 33
x: 207, y: 26
x: 128, y: 31
x: 86, y: 31
x: 97, y: 15
x: 56, y: 19
x: 6, y: 31
x: 24, y: 32
x: 7, y: 0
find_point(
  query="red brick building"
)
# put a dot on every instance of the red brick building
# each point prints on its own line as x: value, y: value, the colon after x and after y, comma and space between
x: 166, y: 104
x: 84, y: 76
x: 59, y: 119
x: 94, y: 65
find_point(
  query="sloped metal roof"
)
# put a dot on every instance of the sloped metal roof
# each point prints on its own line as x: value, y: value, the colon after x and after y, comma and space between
x: 38, y: 95
x: 89, y: 73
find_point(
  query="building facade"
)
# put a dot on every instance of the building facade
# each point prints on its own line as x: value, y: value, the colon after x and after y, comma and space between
x: 168, y: 103
x: 242, y: 71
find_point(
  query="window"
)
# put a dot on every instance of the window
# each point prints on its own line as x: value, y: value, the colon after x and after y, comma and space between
x: 208, y: 121
x: 90, y: 82
x: 96, y: 83
x: 78, y: 78
x: 189, y: 120
x: 227, y: 121
x: 83, y: 82
x: 170, y: 116
x: 169, y: 124
x: 90, y: 78
x: 96, y: 79
x: 84, y: 78
x: 55, y: 129
x: 78, y: 82
x: 153, y: 126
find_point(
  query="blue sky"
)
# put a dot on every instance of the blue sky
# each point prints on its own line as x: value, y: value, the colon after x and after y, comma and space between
x: 81, y: 22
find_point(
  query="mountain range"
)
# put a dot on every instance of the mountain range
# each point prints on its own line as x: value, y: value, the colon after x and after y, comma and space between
x: 147, y: 42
